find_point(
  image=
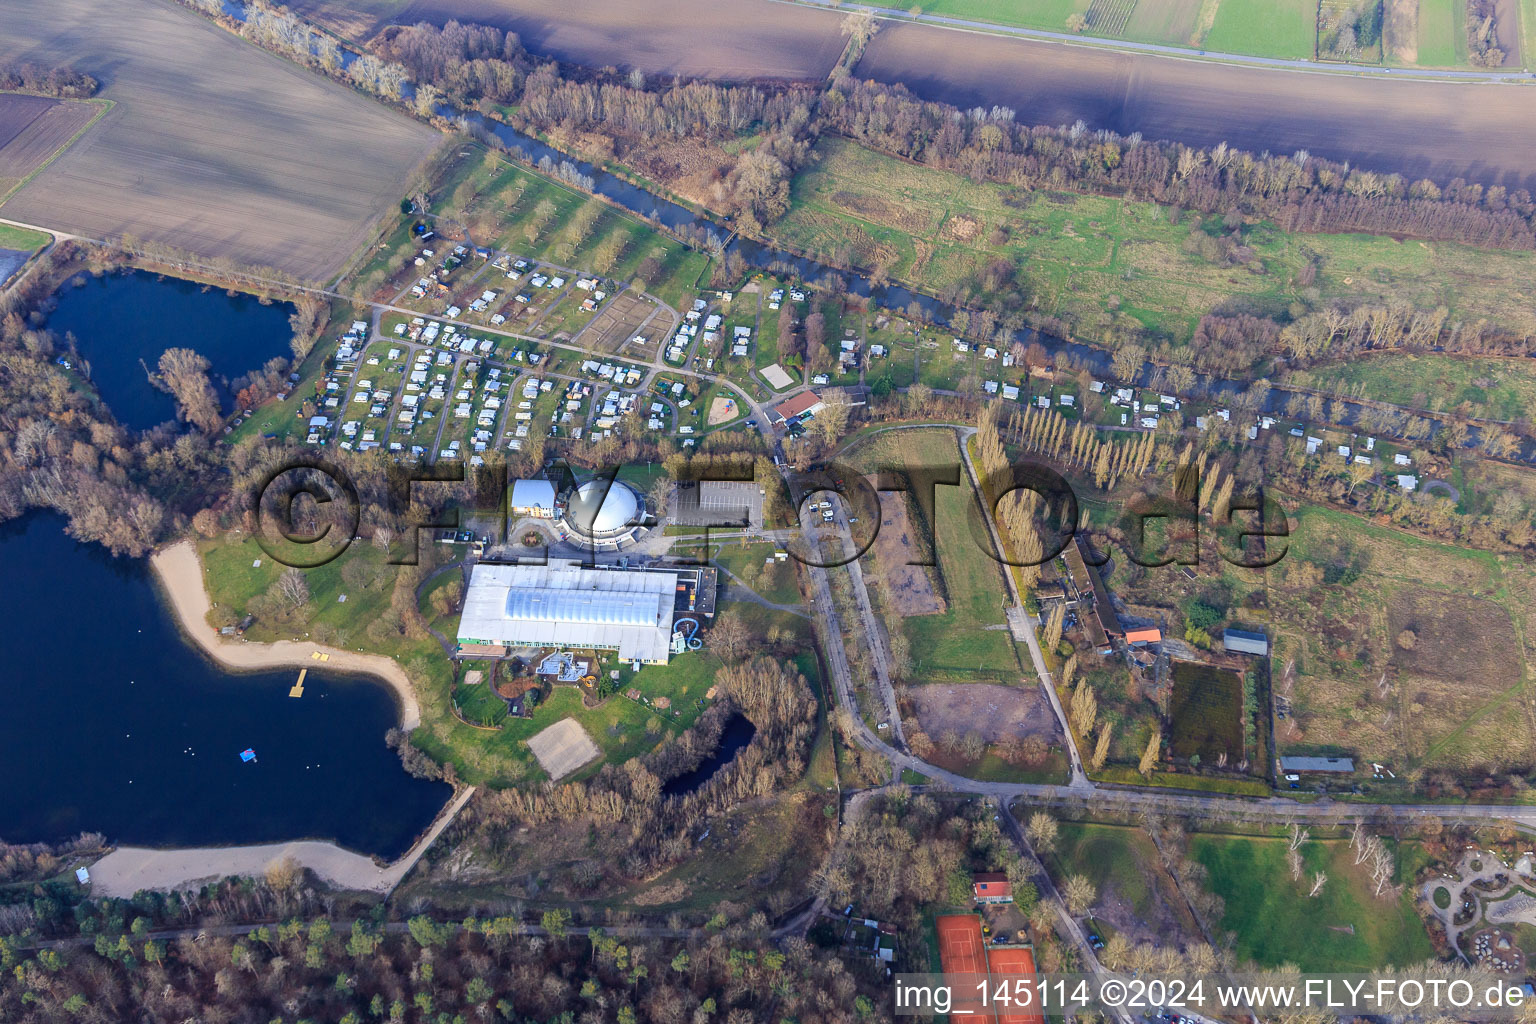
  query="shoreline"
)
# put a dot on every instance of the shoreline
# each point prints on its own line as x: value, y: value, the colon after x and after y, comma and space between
x: 179, y: 572
x: 127, y: 869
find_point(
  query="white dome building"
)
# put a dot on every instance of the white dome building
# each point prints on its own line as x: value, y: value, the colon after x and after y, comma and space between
x: 614, y: 516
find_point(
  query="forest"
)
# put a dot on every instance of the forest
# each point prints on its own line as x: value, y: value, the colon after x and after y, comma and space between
x: 481, y: 969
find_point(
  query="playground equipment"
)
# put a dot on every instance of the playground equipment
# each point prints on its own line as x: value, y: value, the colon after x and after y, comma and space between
x: 685, y: 636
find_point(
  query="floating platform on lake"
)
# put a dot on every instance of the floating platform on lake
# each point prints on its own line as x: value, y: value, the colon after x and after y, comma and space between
x: 298, y: 687
x: 248, y: 755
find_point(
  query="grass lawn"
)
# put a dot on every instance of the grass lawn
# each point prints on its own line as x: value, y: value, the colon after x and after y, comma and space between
x: 1502, y: 389
x: 1173, y: 780
x: 1442, y: 35
x: 1118, y: 860
x: 748, y: 563
x: 1048, y: 15
x: 23, y: 239
x: 1458, y: 699
x: 1152, y: 22
x: 1527, y: 30
x: 1265, y: 28
x: 1096, y: 260
x: 956, y: 643
x: 1344, y: 928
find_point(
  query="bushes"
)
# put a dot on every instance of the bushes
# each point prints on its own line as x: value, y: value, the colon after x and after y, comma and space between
x: 62, y: 82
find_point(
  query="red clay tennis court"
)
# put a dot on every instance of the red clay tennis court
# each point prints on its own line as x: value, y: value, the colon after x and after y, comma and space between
x: 1006, y: 965
x: 963, y: 952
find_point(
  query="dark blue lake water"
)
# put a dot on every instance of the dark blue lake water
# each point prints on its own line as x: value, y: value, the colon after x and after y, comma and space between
x: 111, y: 722
x: 123, y: 322
x: 738, y: 732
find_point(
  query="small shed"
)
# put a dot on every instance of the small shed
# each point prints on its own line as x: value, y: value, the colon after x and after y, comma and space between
x: 1241, y: 641
x: 1342, y: 765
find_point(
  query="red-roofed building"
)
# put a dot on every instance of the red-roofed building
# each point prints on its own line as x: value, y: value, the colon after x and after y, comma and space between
x: 806, y: 403
x: 1143, y: 636
x: 991, y: 887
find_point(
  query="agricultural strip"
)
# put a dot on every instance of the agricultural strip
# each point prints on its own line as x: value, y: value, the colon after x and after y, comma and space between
x: 34, y: 130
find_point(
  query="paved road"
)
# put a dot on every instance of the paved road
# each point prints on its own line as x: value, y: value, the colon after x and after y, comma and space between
x: 1163, y: 50
x: 874, y: 632
x: 1078, y: 777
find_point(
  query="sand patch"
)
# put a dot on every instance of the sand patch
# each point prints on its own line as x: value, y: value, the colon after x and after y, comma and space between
x: 960, y: 228
x: 722, y: 410
x: 563, y: 748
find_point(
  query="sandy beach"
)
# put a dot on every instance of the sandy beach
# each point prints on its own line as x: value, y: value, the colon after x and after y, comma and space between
x: 128, y: 869
x: 180, y: 573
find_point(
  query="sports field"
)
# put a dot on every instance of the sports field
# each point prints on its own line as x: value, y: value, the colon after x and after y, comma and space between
x: 962, y: 956
x: 1010, y: 964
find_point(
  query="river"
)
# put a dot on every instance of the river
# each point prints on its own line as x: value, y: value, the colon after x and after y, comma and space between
x: 123, y: 322
x: 110, y: 722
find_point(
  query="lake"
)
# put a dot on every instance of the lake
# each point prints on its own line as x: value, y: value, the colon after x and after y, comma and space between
x: 121, y: 319
x: 738, y: 732
x: 116, y: 725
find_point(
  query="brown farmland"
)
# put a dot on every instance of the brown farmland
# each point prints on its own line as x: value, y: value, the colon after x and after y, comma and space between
x: 213, y: 145
x: 995, y: 713
x: 738, y: 39
x: 1506, y: 23
x: 907, y: 588
x: 32, y: 129
x: 1437, y: 129
x: 1434, y: 129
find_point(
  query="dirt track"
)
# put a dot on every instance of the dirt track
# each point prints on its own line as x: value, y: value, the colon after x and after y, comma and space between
x: 214, y: 145
x: 1435, y: 129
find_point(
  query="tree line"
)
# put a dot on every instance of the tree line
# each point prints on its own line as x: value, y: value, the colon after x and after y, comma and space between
x: 1300, y: 192
x: 62, y: 82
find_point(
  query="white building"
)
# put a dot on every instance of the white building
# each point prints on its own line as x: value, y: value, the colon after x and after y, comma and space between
x: 533, y: 498
x: 564, y: 605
